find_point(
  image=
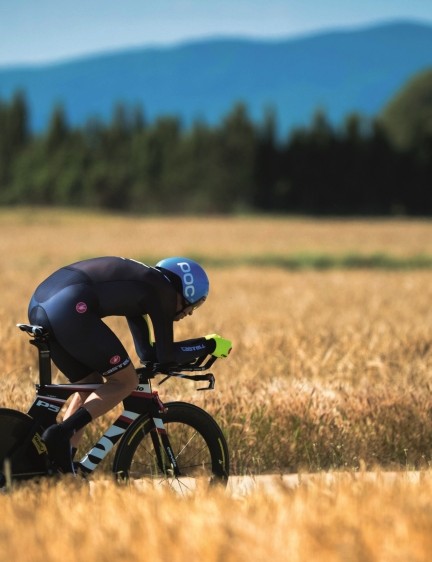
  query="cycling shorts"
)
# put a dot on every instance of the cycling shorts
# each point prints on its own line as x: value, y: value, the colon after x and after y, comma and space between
x: 80, y: 342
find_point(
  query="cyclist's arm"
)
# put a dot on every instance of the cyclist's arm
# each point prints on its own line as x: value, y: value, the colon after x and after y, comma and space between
x: 179, y: 352
x: 142, y: 336
x: 189, y: 350
x: 160, y: 312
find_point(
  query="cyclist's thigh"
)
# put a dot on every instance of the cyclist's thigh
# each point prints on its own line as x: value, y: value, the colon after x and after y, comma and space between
x: 73, y: 369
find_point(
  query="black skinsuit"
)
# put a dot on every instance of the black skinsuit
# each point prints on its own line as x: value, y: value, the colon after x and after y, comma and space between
x: 71, y: 302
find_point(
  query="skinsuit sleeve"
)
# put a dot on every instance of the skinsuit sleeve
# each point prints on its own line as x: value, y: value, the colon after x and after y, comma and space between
x: 140, y: 330
x: 181, y: 352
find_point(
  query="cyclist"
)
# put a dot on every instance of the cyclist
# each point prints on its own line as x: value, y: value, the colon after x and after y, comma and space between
x: 71, y: 303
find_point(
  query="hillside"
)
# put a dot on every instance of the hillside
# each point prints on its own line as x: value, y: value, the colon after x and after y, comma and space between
x: 354, y: 70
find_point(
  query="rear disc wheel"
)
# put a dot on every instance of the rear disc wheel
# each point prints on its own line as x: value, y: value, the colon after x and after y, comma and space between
x: 22, y: 452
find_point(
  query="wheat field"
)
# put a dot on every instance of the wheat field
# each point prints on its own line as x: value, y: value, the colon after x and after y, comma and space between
x: 330, y: 372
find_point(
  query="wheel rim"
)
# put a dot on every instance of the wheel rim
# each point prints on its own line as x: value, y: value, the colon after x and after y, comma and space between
x: 191, y: 453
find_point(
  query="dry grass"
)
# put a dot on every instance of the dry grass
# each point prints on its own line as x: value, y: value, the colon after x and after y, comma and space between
x: 343, y: 520
x: 84, y: 234
x: 329, y: 370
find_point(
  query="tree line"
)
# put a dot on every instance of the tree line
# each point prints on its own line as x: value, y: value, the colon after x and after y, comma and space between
x: 131, y: 165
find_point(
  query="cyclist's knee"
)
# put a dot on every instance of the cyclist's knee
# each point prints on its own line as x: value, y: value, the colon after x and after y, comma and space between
x: 127, y: 378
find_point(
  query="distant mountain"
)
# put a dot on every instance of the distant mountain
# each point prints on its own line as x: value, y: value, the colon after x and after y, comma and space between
x: 340, y: 72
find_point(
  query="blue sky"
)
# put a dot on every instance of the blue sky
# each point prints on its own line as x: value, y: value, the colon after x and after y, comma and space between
x: 39, y: 31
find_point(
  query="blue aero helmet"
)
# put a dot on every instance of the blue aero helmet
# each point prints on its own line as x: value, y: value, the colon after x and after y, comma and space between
x: 193, y: 278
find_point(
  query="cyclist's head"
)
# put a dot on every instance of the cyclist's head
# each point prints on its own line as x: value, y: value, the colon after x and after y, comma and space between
x: 189, y: 278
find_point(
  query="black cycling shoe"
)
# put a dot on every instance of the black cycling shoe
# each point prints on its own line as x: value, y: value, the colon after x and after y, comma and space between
x: 59, y: 448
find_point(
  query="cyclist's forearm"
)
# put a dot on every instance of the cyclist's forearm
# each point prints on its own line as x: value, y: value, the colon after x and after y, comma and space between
x: 188, y: 350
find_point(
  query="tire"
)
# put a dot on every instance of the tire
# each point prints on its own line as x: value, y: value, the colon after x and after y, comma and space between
x: 20, y: 446
x: 197, y: 442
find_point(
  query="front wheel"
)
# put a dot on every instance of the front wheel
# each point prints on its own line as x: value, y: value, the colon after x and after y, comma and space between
x: 21, y: 448
x: 196, y: 441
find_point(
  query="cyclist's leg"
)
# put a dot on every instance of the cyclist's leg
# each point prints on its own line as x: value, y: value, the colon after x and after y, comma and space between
x: 81, y: 345
x: 104, y: 398
x: 116, y: 388
x: 61, y: 437
x: 77, y: 401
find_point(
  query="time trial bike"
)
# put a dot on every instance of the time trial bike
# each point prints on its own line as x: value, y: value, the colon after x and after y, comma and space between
x: 175, y: 443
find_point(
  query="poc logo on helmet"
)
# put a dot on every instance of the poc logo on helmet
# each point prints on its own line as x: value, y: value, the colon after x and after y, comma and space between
x: 188, y: 279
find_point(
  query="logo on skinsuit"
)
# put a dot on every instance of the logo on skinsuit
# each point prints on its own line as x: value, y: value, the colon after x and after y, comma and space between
x: 81, y: 307
x: 115, y: 360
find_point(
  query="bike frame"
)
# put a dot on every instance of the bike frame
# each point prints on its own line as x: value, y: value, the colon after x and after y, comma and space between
x: 141, y: 407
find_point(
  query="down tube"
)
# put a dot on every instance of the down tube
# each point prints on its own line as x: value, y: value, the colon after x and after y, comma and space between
x: 98, y: 452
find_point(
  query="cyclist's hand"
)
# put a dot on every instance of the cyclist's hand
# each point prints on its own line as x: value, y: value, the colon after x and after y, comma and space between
x: 222, y: 345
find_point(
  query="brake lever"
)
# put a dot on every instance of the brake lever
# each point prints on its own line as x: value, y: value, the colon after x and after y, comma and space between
x: 211, y: 379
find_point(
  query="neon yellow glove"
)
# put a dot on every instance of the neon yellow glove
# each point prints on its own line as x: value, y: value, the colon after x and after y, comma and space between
x: 223, y: 346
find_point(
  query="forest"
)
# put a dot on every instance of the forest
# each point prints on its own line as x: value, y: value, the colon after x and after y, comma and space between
x: 360, y: 167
